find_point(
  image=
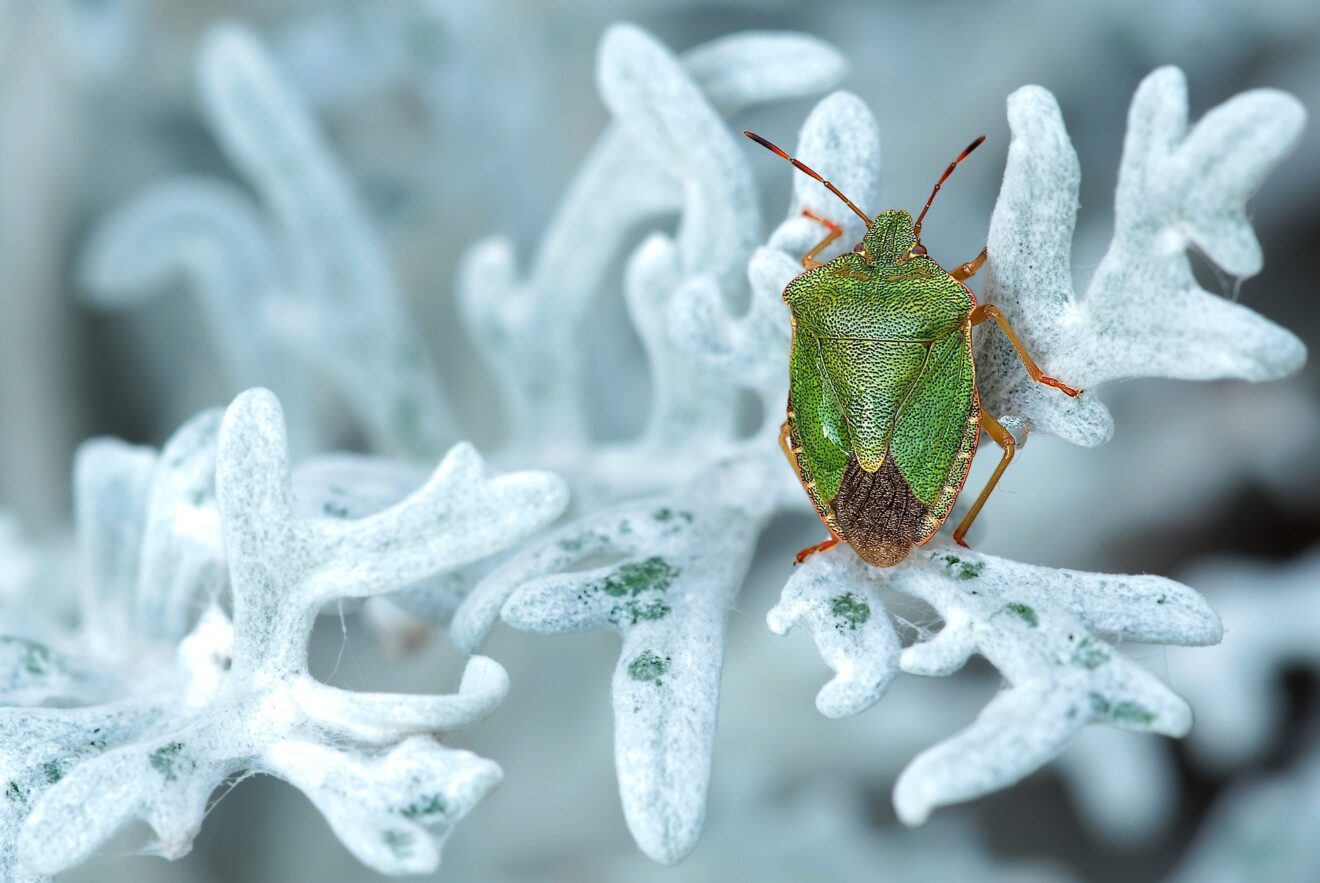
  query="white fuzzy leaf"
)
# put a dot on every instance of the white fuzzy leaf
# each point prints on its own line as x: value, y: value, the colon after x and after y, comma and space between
x: 393, y: 811
x: 1045, y: 630
x: 183, y: 557
x: 679, y: 560
x: 1143, y: 315
x: 240, y: 698
x: 1260, y: 832
x: 851, y: 630
x: 208, y: 235
x: 529, y: 328
x: 112, y: 483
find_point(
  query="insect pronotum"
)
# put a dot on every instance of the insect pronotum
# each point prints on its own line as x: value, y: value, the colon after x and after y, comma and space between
x: 883, y: 411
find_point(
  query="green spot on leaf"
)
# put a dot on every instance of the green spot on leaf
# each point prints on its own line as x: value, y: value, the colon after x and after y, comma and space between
x: 335, y: 510
x: 399, y: 842
x: 433, y: 804
x: 664, y: 514
x: 165, y: 760
x: 648, y: 667
x: 1125, y: 712
x: 631, y: 579
x: 13, y: 792
x: 960, y: 569
x: 651, y: 576
x: 1090, y: 653
x: 1132, y: 713
x: 852, y: 610
x: 51, y: 769
x: 1023, y: 612
x: 646, y: 612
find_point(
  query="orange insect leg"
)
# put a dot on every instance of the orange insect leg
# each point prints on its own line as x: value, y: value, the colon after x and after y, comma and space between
x: 990, y: 311
x: 968, y: 270
x: 819, y: 547
x: 809, y: 259
x: 784, y: 445
x: 1005, y: 440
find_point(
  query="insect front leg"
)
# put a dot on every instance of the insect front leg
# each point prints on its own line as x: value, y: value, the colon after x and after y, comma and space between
x: 809, y: 259
x: 969, y: 269
x: 990, y: 311
x: 1005, y: 440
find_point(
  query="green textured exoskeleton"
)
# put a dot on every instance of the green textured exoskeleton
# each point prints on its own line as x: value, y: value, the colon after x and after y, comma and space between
x: 883, y: 412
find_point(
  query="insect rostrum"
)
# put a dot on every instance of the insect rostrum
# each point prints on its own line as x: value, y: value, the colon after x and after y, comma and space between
x: 883, y: 411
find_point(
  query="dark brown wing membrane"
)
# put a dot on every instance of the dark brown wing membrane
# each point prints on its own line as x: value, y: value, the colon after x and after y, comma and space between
x: 877, y: 513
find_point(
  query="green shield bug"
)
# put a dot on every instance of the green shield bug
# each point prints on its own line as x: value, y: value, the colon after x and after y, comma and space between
x: 883, y: 410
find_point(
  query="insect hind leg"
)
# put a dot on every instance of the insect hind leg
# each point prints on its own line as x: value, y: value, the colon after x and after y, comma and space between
x: 1005, y: 440
x: 819, y: 547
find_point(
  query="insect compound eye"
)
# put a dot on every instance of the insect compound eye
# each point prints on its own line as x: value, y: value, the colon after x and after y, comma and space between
x: 918, y: 250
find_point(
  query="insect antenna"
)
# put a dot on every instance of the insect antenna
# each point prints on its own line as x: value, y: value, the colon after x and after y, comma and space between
x: 810, y: 172
x: 916, y: 230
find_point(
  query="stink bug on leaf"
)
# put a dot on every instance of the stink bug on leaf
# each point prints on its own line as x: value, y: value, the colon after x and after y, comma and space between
x: 883, y: 411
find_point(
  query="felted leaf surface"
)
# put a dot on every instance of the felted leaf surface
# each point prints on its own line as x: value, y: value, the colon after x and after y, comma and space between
x: 529, y: 327
x: 240, y: 699
x: 695, y: 490
x: 667, y: 592
x: 1143, y: 314
x: 1049, y: 632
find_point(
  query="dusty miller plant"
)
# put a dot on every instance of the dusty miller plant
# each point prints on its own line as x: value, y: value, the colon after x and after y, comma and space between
x: 169, y: 697
x: 680, y: 555
x: 665, y: 524
x: 1051, y: 632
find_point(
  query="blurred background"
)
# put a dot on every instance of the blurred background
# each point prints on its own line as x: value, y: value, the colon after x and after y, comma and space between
x: 459, y: 120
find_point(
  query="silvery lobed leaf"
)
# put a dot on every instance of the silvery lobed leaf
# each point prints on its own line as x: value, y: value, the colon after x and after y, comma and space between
x: 531, y: 327
x: 1050, y: 632
x: 695, y: 491
x: 1260, y: 832
x: 675, y: 563
x: 1143, y: 314
x: 239, y: 698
